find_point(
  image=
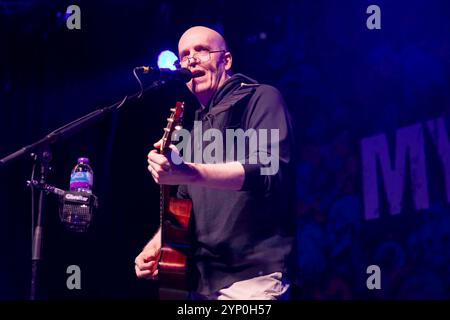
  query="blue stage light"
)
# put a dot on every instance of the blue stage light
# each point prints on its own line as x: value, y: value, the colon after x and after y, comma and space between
x: 167, y: 59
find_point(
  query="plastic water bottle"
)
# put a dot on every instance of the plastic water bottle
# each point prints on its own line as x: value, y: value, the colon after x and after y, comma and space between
x: 82, y: 176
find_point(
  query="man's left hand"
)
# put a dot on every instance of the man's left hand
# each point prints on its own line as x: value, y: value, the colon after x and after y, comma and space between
x: 169, y: 168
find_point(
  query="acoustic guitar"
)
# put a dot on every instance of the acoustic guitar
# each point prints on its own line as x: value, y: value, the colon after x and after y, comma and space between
x: 174, y: 221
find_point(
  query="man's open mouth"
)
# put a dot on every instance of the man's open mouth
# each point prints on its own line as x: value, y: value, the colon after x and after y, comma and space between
x: 198, y: 73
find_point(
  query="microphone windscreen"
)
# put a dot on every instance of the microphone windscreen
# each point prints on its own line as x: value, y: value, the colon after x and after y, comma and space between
x: 76, y: 210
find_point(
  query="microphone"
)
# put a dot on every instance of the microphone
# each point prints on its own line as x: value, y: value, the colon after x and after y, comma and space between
x: 181, y: 74
x: 76, y: 208
x: 45, y: 187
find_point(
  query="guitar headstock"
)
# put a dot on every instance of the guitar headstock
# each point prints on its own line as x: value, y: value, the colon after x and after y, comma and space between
x: 173, y: 123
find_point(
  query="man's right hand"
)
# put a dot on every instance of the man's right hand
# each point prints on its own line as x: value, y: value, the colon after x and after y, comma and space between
x: 146, y: 263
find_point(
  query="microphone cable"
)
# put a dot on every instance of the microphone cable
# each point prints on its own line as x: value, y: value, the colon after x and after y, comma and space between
x: 141, y: 91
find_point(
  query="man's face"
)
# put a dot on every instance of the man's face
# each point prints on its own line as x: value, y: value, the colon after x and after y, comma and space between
x: 209, y: 69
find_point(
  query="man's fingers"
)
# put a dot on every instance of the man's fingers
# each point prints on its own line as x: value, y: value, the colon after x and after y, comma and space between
x: 156, y: 167
x: 155, y: 157
x: 153, y: 173
x: 145, y: 265
x: 145, y: 274
x: 157, y: 144
x: 150, y: 258
x: 160, y: 168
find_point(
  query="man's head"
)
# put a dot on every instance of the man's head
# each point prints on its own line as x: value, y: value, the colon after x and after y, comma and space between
x: 204, y: 52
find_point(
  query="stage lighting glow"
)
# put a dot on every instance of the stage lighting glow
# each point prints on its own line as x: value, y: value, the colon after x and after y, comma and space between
x: 167, y: 59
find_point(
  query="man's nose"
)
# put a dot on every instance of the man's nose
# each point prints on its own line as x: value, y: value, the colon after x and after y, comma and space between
x: 192, y: 61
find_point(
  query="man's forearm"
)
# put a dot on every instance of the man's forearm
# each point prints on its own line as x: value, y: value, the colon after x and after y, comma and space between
x: 228, y: 175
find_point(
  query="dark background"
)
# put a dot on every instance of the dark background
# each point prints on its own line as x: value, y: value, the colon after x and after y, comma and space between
x: 342, y: 83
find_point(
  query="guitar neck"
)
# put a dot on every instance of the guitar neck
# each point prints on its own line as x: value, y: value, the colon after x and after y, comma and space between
x: 164, y: 194
x: 172, y: 122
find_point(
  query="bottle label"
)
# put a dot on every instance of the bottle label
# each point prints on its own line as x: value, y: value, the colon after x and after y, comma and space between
x: 81, y: 180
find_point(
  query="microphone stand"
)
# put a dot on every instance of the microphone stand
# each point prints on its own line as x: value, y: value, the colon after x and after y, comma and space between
x: 41, y: 158
x: 40, y: 151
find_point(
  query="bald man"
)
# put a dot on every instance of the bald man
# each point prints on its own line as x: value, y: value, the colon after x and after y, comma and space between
x: 243, y: 219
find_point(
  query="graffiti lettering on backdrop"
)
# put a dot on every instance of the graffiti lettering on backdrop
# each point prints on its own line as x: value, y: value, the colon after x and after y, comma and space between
x: 409, y: 149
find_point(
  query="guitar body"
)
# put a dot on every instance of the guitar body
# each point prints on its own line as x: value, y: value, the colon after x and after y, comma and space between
x: 174, y: 250
x: 174, y: 221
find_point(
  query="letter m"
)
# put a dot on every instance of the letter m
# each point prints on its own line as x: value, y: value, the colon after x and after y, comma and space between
x: 409, y: 141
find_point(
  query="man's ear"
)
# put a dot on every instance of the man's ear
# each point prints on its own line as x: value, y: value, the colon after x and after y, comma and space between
x: 228, y: 60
